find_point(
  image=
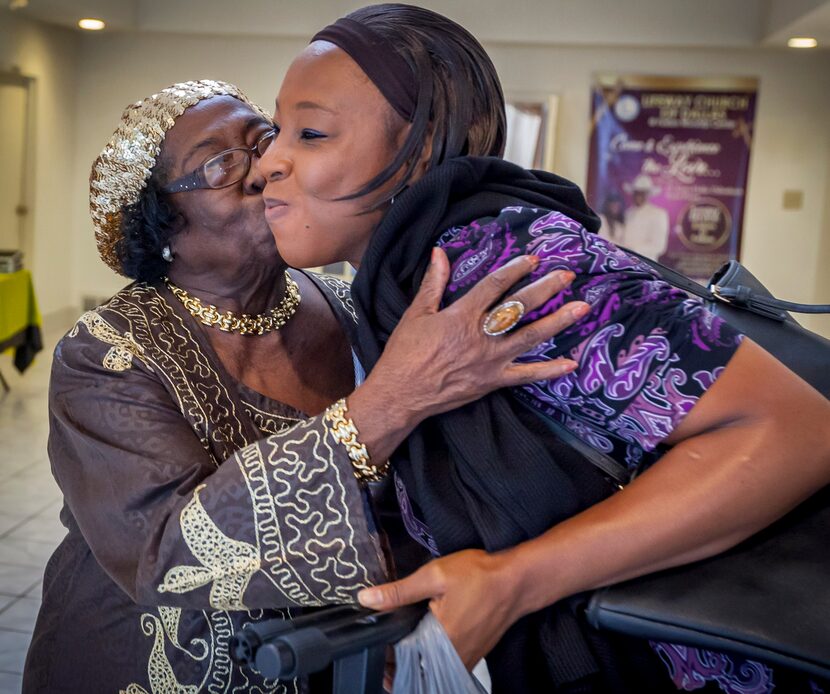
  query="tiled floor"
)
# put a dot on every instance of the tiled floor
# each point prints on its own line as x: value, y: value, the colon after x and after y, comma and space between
x: 29, y: 506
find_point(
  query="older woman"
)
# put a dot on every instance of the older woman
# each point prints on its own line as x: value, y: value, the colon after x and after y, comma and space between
x: 387, y: 131
x: 203, y: 420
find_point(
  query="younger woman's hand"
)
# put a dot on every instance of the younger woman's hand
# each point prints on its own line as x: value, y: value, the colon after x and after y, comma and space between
x: 471, y: 593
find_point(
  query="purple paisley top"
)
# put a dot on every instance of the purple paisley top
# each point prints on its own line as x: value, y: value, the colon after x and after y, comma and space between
x: 646, y: 353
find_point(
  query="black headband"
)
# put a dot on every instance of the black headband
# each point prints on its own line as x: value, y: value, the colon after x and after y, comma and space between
x: 378, y: 59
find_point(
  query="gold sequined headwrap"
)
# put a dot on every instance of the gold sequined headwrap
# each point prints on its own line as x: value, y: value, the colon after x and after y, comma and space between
x: 122, y: 170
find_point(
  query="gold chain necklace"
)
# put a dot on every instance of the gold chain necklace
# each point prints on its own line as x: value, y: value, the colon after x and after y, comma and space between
x: 229, y: 322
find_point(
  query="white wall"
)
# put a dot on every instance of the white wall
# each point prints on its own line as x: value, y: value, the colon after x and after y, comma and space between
x: 583, y: 22
x: 791, y: 148
x: 50, y: 56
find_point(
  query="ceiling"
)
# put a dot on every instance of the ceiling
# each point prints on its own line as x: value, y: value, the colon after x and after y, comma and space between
x: 702, y: 23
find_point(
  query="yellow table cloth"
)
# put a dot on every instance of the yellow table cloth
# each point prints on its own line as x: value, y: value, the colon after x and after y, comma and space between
x: 19, y: 318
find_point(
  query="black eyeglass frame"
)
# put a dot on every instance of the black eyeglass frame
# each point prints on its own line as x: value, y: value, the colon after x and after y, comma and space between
x: 196, y: 180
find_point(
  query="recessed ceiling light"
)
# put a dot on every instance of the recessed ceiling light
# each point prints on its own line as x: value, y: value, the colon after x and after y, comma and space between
x: 802, y: 42
x: 91, y: 24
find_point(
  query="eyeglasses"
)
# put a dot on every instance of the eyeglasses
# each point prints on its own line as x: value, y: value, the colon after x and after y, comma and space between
x: 223, y: 169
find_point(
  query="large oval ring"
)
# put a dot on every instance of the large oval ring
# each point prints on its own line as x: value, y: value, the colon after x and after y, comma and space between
x: 503, y: 318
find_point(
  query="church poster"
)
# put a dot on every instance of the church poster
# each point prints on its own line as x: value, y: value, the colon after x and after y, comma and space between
x: 668, y: 165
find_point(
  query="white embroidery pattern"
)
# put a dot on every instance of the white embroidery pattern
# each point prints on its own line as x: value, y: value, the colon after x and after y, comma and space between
x: 124, y: 347
x: 226, y: 563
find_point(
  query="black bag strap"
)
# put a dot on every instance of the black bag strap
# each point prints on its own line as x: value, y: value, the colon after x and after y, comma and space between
x: 739, y: 295
x: 745, y: 297
x: 675, y: 278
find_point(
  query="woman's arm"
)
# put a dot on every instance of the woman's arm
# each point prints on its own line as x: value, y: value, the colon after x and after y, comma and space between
x: 280, y: 522
x: 439, y: 359
x: 755, y: 445
x: 264, y: 528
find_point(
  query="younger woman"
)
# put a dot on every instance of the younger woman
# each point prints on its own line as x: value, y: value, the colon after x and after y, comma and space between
x: 387, y: 131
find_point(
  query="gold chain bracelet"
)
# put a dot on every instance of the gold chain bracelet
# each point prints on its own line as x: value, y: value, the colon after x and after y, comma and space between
x: 345, y: 432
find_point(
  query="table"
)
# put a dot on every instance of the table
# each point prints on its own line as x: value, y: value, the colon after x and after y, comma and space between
x: 19, y: 319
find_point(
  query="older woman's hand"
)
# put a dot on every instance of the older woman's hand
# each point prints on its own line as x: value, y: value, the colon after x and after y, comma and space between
x: 440, y: 359
x: 447, y: 350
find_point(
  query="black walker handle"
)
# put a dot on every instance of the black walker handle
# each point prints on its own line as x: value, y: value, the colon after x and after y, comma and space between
x: 354, y: 638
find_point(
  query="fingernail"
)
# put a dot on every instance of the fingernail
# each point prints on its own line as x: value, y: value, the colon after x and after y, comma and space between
x: 368, y: 597
x: 569, y: 366
x: 563, y: 276
x: 433, y: 256
x: 580, y: 310
x: 534, y: 261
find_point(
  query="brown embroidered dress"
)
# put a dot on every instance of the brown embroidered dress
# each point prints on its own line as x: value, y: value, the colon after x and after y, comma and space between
x: 193, y: 506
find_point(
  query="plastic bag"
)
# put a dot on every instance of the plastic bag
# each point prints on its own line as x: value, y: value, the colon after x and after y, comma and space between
x: 426, y: 663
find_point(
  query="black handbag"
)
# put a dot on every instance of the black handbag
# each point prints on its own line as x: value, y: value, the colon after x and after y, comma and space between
x: 769, y: 597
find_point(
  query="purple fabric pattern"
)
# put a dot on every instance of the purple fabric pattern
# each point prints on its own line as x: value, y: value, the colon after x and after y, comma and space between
x: 646, y: 351
x: 416, y: 528
x: 476, y: 261
x: 692, y: 668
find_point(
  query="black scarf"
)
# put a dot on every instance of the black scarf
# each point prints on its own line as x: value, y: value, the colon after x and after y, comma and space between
x: 487, y: 475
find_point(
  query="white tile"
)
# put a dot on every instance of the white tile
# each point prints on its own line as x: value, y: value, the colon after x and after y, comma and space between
x: 11, y: 468
x: 24, y: 422
x: 20, y: 615
x: 7, y: 522
x: 13, y: 648
x: 22, y: 506
x: 37, y: 470
x: 34, y: 485
x: 23, y: 552
x: 43, y: 528
x: 51, y: 510
x: 35, y: 590
x: 27, y: 416
x: 10, y: 683
x: 17, y: 580
x: 17, y: 500
x: 21, y: 448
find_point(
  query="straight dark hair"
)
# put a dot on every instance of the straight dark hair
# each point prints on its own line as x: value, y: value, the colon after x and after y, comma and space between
x: 460, y: 100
